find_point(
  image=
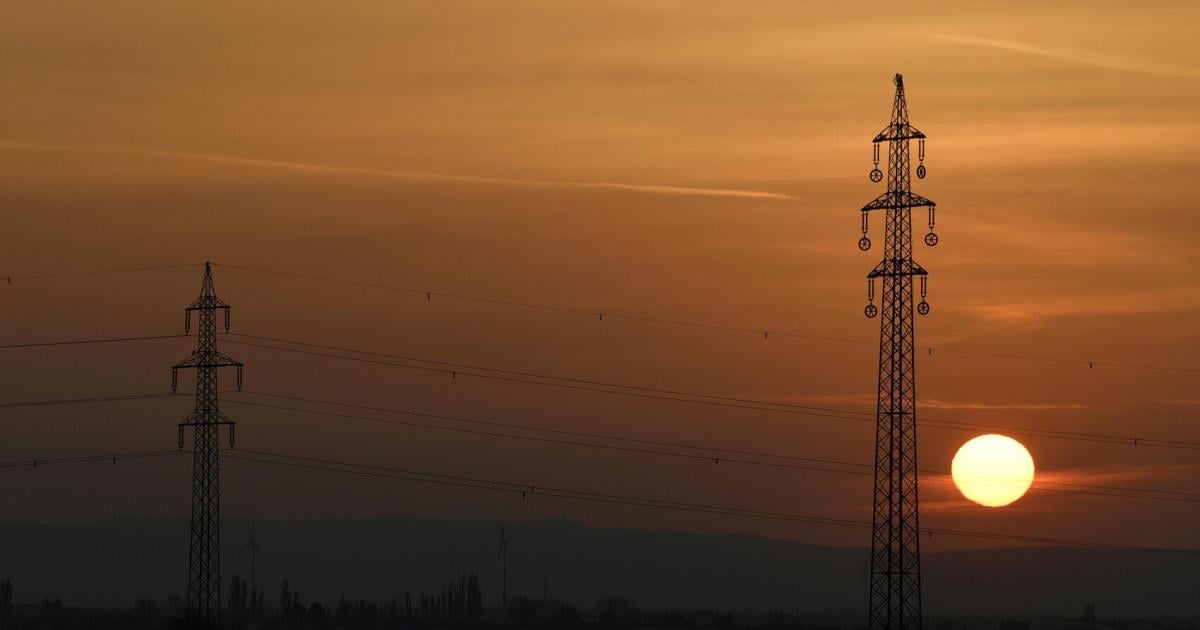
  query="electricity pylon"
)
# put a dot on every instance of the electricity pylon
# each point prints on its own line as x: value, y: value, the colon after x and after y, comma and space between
x: 895, y: 593
x: 204, y: 556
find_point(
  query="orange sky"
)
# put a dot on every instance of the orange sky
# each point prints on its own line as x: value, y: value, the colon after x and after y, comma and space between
x: 700, y: 161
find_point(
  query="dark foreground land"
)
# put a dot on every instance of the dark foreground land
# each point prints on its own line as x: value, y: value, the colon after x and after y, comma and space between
x: 611, y: 613
x: 413, y: 573
x: 111, y: 564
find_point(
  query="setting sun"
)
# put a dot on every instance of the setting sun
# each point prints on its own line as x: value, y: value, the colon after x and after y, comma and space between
x: 992, y: 470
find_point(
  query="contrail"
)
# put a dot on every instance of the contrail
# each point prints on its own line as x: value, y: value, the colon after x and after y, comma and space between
x: 311, y: 167
x: 1076, y: 56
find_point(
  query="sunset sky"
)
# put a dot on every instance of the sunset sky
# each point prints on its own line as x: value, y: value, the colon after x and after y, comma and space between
x: 699, y: 161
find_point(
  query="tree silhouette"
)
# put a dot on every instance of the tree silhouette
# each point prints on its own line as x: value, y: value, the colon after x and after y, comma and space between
x: 474, y: 598
x: 286, y: 597
x: 6, y: 595
x: 239, y: 597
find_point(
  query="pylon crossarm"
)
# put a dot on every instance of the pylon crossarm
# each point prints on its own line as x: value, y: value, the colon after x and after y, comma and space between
x: 198, y: 423
x: 898, y: 200
x: 895, y: 268
x: 218, y: 362
x: 206, y: 303
x: 903, y: 131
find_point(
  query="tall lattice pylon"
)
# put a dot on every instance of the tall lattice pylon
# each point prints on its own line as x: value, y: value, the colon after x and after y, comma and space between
x: 895, y: 596
x: 204, y: 556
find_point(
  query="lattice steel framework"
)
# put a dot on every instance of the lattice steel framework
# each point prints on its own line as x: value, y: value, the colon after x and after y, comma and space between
x: 895, y: 591
x: 204, y: 556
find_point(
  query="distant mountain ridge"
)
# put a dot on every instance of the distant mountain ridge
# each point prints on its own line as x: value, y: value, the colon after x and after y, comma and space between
x: 112, y: 563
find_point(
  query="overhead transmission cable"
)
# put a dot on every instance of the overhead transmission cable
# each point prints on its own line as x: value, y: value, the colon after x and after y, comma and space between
x: 534, y: 490
x: 455, y: 370
x: 646, y: 392
x: 600, y: 314
x: 78, y: 342
x: 758, y: 331
x: 329, y: 465
x: 91, y: 399
x: 97, y: 272
x: 715, y: 455
x: 84, y: 459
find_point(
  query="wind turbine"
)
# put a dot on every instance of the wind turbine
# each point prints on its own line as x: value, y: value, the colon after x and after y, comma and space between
x: 503, y: 568
x: 254, y: 549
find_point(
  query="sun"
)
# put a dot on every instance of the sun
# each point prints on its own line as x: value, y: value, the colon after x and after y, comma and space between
x: 992, y: 470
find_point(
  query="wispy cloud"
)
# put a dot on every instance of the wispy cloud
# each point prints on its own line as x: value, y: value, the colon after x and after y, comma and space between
x: 1110, y: 62
x: 934, y: 403
x: 867, y: 402
x: 1029, y: 315
x: 1176, y: 402
x: 334, y: 169
x: 1149, y: 480
x: 863, y: 399
x: 1118, y: 474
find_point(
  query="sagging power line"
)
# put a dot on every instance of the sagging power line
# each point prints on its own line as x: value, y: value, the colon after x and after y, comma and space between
x: 601, y: 314
x: 79, y: 342
x: 456, y: 370
x: 97, y: 272
x: 112, y: 458
x: 764, y: 332
x: 652, y: 392
x: 711, y: 455
x: 537, y: 490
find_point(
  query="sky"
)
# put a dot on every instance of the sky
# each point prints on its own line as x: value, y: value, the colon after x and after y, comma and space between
x: 700, y: 161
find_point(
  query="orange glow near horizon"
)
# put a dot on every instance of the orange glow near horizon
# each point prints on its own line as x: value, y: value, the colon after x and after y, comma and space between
x: 686, y: 161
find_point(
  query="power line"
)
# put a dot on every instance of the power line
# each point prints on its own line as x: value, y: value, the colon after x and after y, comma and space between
x: 762, y: 331
x: 329, y: 465
x: 96, y: 272
x: 600, y: 314
x: 77, y: 342
x: 627, y: 449
x: 527, y: 427
x: 79, y: 401
x: 83, y: 459
x: 566, y: 379
x: 722, y: 455
x: 523, y: 489
x: 647, y: 392
x: 650, y: 392
x: 546, y: 380
x: 531, y: 490
x: 538, y: 490
x: 812, y: 464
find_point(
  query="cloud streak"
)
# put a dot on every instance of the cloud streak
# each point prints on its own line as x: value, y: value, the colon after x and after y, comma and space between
x: 1110, y: 62
x: 334, y: 169
x: 934, y: 403
x: 1164, y: 484
x: 1159, y: 474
